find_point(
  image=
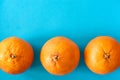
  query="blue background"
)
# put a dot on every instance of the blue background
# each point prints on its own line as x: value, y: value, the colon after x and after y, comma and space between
x: 36, y: 21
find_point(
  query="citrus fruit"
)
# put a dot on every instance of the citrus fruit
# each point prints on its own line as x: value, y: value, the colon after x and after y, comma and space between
x: 16, y: 55
x: 102, y: 55
x: 60, y: 55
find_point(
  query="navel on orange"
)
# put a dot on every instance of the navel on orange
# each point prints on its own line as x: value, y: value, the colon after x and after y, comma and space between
x: 60, y: 56
x: 102, y: 55
x: 16, y: 55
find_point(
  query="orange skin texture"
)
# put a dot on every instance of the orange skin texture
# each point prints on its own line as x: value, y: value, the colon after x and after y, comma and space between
x: 102, y: 55
x: 16, y: 55
x: 67, y: 52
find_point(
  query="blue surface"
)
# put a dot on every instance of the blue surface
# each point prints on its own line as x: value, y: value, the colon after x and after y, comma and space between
x: 36, y: 21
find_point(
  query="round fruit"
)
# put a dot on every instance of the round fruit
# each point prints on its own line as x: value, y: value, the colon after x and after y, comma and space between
x: 16, y: 55
x: 102, y: 55
x: 60, y: 56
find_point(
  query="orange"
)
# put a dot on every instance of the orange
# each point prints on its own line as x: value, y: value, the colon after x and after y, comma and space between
x: 60, y: 55
x: 16, y: 55
x: 102, y: 55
